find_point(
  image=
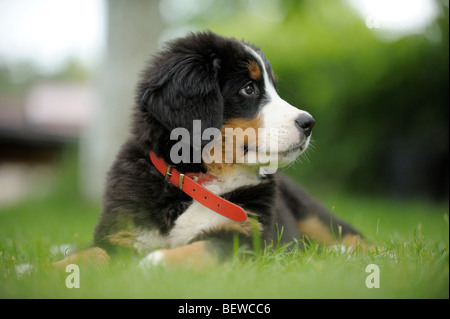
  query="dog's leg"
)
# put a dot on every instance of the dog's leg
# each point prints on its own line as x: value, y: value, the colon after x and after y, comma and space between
x: 95, y: 256
x: 333, y: 232
x: 314, y: 220
x: 197, y: 254
x: 210, y: 247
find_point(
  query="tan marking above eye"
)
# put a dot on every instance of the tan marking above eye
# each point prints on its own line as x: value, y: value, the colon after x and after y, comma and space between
x: 254, y: 70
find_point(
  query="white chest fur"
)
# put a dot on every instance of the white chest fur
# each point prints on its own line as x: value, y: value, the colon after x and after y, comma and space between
x: 196, y: 219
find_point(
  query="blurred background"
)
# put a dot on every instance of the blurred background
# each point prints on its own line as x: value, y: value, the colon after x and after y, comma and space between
x: 374, y: 74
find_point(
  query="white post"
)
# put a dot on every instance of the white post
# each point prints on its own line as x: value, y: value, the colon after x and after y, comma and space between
x: 133, y: 31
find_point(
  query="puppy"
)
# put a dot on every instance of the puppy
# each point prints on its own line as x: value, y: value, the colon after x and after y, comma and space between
x: 198, y: 174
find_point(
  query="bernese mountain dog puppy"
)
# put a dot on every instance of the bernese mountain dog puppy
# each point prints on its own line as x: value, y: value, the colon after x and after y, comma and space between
x: 175, y: 208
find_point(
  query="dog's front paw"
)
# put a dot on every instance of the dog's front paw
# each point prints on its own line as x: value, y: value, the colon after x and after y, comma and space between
x: 153, y: 259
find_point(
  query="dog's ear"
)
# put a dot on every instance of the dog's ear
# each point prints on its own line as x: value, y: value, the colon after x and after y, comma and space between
x: 181, y: 86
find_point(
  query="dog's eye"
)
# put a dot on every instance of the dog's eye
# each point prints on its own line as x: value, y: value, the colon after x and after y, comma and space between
x: 250, y: 89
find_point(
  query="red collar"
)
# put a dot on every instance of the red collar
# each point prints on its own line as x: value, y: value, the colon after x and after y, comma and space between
x: 191, y: 184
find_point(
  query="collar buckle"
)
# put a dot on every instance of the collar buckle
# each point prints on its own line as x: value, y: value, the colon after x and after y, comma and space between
x: 168, y: 172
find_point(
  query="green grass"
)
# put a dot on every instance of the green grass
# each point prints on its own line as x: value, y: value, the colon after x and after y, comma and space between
x: 415, y: 264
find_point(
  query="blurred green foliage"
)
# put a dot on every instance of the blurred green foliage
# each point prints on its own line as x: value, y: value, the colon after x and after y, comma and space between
x: 381, y: 108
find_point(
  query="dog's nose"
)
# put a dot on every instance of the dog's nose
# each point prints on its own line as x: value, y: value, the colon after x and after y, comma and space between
x: 305, y: 123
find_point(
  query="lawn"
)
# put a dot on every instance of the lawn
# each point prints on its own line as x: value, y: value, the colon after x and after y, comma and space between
x: 414, y: 263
